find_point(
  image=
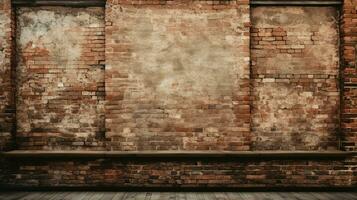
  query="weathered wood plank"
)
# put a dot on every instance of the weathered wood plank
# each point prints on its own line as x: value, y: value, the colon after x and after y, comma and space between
x: 350, y: 195
x: 208, y: 196
x: 321, y: 196
x: 108, y: 196
x: 73, y: 195
x: 119, y: 196
x: 33, y: 196
x: 134, y: 195
x: 60, y: 196
x: 96, y: 196
x: 155, y: 196
x: 271, y: 195
x: 13, y: 195
x: 233, y: 196
x: 87, y: 196
x: 302, y: 196
x: 178, y: 195
x: 220, y: 196
x: 286, y: 196
x: 192, y: 196
x: 247, y: 196
x: 48, y: 195
x: 181, y: 196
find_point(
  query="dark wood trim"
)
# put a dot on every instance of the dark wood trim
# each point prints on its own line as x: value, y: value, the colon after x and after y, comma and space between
x: 296, y: 2
x: 70, y: 3
x: 177, y: 188
x: 179, y: 154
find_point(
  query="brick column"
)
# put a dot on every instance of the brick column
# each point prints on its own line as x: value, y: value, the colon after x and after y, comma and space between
x: 6, y: 92
x: 349, y: 79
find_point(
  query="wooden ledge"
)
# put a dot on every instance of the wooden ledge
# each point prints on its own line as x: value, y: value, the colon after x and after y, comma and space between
x: 179, y: 154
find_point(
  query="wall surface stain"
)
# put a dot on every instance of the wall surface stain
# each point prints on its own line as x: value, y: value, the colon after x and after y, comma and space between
x: 311, y: 31
x: 60, y: 77
x: 295, y: 60
x: 175, y: 77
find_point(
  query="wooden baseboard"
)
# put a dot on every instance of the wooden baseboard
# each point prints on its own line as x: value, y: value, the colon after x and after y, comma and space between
x: 8, y: 188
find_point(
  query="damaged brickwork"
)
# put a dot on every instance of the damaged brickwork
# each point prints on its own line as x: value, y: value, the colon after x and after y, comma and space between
x: 6, y: 95
x: 60, y: 77
x: 349, y: 79
x: 295, y: 60
x: 177, y: 76
x: 349, y: 73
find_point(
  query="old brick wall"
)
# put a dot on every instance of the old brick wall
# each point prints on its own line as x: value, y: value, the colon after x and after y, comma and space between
x: 181, y: 83
x: 6, y: 91
x: 177, y: 75
x: 60, y: 78
x: 295, y: 68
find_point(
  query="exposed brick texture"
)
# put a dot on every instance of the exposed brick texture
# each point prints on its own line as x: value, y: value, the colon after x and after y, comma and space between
x: 178, y: 75
x: 60, y: 77
x: 349, y: 72
x: 295, y: 64
x: 177, y: 78
x: 349, y: 76
x: 6, y: 91
x: 102, y: 172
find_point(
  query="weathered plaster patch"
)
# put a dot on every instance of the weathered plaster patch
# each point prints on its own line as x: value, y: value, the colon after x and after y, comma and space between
x: 173, y: 75
x: 60, y: 76
x: 3, y: 23
x: 53, y: 30
x: 295, y: 61
x: 174, y: 58
x: 302, y: 18
x: 293, y: 115
x: 311, y: 32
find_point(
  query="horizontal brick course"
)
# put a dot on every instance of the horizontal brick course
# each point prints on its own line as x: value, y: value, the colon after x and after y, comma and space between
x: 198, y: 173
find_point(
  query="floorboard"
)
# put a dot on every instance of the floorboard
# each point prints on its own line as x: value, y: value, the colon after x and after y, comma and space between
x: 178, y: 195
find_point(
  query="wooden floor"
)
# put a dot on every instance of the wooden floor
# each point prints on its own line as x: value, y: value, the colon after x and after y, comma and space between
x: 178, y: 195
